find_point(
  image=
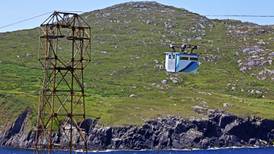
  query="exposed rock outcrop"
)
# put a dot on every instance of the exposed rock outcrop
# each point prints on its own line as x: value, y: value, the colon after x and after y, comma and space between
x: 16, y: 134
x: 219, y: 130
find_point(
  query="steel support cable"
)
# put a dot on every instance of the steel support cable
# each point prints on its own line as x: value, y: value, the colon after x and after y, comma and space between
x: 24, y: 20
x: 209, y: 15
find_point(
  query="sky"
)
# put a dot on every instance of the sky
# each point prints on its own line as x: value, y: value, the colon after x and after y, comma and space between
x: 12, y: 11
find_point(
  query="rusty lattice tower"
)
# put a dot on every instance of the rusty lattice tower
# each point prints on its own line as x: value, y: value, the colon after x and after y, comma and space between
x: 64, y: 54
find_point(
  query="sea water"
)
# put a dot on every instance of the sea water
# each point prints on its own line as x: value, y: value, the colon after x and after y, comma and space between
x: 211, y: 151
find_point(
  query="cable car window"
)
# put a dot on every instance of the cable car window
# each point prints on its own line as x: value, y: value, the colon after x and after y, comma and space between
x: 169, y: 56
x: 193, y: 58
x: 183, y: 58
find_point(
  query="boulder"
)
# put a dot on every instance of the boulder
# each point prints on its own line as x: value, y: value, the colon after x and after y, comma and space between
x: 191, y: 138
x: 88, y: 124
x: 100, y: 138
x: 229, y: 140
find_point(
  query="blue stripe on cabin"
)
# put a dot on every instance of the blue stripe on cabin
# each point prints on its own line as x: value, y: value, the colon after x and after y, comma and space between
x: 193, y: 66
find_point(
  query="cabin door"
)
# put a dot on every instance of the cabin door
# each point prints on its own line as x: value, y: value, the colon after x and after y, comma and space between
x: 171, y: 63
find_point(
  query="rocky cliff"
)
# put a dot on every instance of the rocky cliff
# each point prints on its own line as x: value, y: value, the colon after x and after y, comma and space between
x: 218, y: 130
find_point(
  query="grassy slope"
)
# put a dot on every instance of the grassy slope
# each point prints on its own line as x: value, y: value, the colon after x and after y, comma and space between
x: 128, y: 68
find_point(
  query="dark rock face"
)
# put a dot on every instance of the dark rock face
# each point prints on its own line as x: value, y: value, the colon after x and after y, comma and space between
x: 88, y: 124
x: 15, y: 134
x: 219, y: 130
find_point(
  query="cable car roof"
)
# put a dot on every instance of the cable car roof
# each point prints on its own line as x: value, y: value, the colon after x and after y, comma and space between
x: 182, y: 53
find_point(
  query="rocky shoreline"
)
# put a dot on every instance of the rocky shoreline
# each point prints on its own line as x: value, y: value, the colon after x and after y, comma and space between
x: 219, y: 130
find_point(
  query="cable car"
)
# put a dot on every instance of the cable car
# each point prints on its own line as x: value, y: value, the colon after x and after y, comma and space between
x: 183, y: 61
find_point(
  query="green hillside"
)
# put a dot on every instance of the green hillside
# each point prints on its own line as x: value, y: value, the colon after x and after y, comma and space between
x: 125, y: 78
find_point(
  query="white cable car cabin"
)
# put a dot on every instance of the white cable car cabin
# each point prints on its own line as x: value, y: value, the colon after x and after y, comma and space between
x: 181, y: 62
